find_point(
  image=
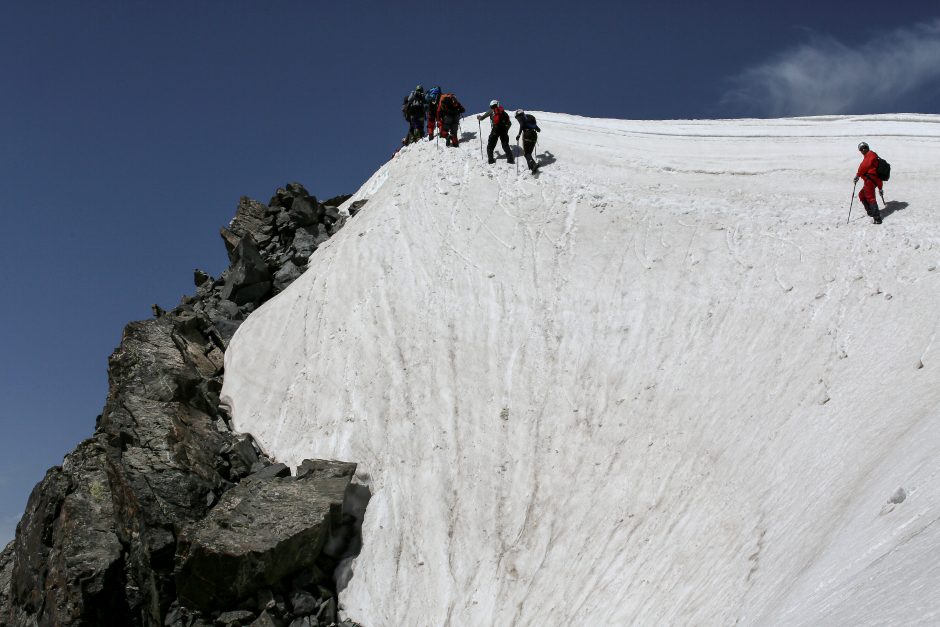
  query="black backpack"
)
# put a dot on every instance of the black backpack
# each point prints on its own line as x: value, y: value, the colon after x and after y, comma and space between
x: 883, y: 169
x: 415, y: 104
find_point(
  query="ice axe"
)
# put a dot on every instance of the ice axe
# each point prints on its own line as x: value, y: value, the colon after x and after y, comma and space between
x: 852, y: 201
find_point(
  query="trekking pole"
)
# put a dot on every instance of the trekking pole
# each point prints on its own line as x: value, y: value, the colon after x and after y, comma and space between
x: 851, y: 201
x: 516, y: 159
x: 480, y: 135
x: 883, y: 201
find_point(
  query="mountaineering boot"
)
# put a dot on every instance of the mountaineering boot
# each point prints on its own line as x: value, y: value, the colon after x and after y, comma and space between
x: 491, y: 160
x: 872, y: 210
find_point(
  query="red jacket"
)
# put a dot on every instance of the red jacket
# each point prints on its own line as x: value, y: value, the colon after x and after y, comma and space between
x: 869, y: 168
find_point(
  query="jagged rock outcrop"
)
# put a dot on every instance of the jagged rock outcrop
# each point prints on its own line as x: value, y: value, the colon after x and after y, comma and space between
x: 100, y: 540
x: 260, y: 532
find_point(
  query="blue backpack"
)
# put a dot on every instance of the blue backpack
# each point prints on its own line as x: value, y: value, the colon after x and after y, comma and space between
x: 530, y: 122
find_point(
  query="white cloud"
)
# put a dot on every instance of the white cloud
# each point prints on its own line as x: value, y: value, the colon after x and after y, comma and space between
x: 826, y: 76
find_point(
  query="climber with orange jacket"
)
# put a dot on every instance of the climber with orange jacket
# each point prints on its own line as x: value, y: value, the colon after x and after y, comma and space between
x: 448, y: 115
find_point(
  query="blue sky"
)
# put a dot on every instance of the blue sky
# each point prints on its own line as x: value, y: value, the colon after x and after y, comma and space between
x: 130, y: 129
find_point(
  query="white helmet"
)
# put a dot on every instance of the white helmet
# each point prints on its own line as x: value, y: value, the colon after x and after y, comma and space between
x: 519, y: 112
x: 494, y: 103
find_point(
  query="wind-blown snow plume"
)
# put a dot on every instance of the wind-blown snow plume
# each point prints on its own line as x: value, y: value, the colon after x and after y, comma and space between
x: 826, y: 76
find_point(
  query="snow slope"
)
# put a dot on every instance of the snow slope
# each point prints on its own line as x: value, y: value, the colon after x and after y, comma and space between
x: 663, y: 383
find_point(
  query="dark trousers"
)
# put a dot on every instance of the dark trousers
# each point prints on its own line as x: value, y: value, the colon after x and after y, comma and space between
x: 449, y: 127
x: 501, y: 135
x: 415, y: 128
x: 528, y: 146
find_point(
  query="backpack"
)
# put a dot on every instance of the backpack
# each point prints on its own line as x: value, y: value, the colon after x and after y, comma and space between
x: 883, y: 169
x: 415, y: 104
x: 504, y: 121
x: 530, y: 122
x: 450, y: 104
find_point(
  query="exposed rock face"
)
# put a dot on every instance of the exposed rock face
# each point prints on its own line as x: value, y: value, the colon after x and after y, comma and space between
x: 260, y: 532
x: 126, y: 527
x: 248, y: 279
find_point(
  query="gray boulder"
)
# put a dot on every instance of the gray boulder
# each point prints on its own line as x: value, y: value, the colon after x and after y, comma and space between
x: 250, y: 218
x: 306, y: 241
x: 248, y: 279
x: 303, y: 212
x: 200, y: 277
x: 262, y: 531
x: 282, y: 220
x: 267, y: 620
x: 288, y: 273
x: 327, y: 613
x: 236, y: 618
x: 298, y: 190
x: 303, y: 245
x: 355, y: 207
x: 303, y: 603
x: 320, y: 469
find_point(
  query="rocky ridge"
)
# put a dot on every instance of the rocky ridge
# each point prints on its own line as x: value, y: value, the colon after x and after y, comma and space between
x: 166, y: 516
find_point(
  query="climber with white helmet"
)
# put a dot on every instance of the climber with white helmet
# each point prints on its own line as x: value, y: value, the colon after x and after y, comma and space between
x: 499, y: 131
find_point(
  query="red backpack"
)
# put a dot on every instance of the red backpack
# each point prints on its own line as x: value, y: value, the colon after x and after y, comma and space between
x: 501, y: 118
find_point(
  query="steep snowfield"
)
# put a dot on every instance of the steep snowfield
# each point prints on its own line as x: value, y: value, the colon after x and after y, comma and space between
x: 663, y: 383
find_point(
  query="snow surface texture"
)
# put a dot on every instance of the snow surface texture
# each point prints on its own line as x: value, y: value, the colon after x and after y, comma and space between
x: 662, y: 383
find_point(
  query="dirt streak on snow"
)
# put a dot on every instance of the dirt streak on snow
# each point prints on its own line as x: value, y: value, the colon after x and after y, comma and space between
x: 663, y: 383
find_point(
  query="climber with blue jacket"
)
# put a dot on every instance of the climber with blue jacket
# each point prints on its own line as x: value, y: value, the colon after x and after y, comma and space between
x: 433, y: 98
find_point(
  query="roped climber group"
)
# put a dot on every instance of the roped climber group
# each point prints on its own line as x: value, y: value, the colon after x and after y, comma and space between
x: 435, y: 108
x: 440, y: 110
